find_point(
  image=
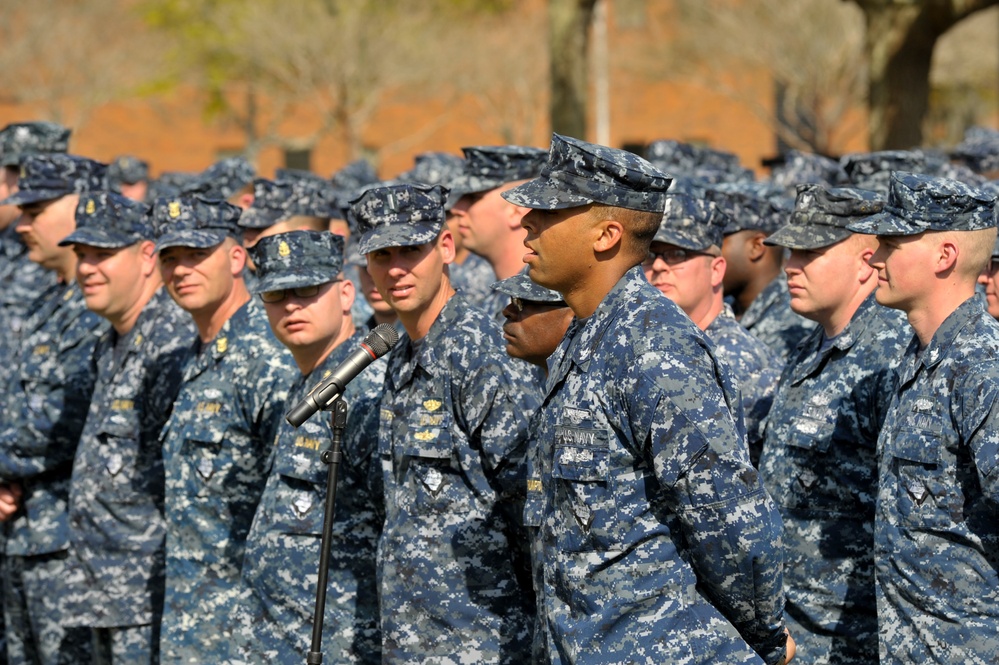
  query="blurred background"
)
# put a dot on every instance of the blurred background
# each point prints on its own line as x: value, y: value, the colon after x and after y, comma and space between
x: 315, y: 84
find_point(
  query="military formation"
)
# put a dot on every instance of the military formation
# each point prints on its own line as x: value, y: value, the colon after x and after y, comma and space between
x: 641, y: 408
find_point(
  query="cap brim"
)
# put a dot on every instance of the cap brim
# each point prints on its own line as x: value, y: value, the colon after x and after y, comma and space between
x: 293, y: 280
x: 522, y: 286
x: 398, y: 235
x: 28, y: 196
x: 680, y: 239
x: 200, y: 239
x: 805, y: 236
x: 544, y: 194
x: 885, y: 223
x: 98, y: 238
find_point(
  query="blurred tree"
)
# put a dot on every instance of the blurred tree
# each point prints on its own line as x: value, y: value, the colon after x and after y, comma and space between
x: 65, y: 57
x: 569, y: 36
x: 901, y: 37
x: 811, y: 49
x: 264, y: 62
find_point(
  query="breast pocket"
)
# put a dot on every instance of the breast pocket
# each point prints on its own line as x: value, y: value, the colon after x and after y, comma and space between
x: 580, y: 470
x: 428, y: 462
x: 299, y: 454
x: 126, y: 471
x: 206, y: 460
x: 926, y: 494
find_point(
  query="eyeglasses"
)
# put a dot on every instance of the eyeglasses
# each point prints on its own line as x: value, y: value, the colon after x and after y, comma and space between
x: 299, y: 292
x: 672, y: 257
x: 519, y: 303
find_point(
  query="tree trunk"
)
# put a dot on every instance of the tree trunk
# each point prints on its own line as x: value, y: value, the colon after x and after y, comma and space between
x: 569, y: 30
x: 900, y: 40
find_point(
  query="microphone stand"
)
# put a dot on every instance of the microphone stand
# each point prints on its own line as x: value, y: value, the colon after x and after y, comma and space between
x: 331, y: 457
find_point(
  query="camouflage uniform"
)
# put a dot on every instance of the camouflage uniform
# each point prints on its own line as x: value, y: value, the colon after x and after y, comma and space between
x: 698, y: 225
x: 659, y: 542
x: 127, y: 170
x: 826, y: 416
x: 216, y: 450
x: 282, y: 549
x: 754, y: 370
x: 49, y: 389
x: 221, y: 180
x: 46, y: 405
x: 474, y: 278
x: 116, y: 493
x: 116, y: 497
x: 819, y: 461
x: 936, y: 534
x: 452, y: 561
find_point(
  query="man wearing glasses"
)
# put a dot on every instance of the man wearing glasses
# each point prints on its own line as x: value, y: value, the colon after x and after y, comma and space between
x: 308, y: 304
x: 217, y: 443
x: 989, y: 279
x: 686, y: 264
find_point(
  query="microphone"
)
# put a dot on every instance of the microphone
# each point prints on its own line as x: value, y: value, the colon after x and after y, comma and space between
x: 375, y: 345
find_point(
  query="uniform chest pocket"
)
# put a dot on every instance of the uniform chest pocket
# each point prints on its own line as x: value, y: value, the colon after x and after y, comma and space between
x: 126, y: 470
x: 926, y: 494
x: 298, y: 454
x: 205, y: 459
x: 427, y: 460
x: 580, y: 470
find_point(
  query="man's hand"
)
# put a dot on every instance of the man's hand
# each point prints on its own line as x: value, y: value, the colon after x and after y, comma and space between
x: 10, y: 500
x: 791, y: 648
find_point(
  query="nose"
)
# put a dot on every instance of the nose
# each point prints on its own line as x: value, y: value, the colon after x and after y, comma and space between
x: 510, y: 312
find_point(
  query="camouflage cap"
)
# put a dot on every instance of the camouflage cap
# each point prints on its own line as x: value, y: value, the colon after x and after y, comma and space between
x: 489, y: 167
x: 918, y: 203
x: 821, y: 216
x: 193, y: 221
x: 54, y: 175
x: 691, y: 223
x: 294, y: 175
x: 313, y: 198
x: 170, y: 184
x: 109, y: 220
x: 801, y: 168
x: 686, y: 158
x: 399, y: 215
x: 354, y: 176
x: 580, y: 173
x: 20, y: 139
x: 435, y: 168
x: 747, y: 208
x: 979, y: 150
x: 268, y: 208
x: 872, y: 170
x: 297, y: 258
x: 222, y: 179
x: 523, y: 287
x: 128, y: 170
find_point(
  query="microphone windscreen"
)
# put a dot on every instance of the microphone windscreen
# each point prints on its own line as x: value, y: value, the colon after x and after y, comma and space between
x: 382, y: 338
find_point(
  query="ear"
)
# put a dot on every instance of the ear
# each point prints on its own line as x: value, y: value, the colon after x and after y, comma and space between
x: 347, y: 294
x: 757, y: 250
x: 946, y: 256
x: 147, y: 253
x: 864, y: 270
x: 446, y: 245
x: 718, y: 265
x: 237, y: 259
x: 609, y: 233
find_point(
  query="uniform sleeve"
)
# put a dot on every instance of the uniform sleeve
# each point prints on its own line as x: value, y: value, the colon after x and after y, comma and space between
x: 979, y: 422
x: 497, y: 398
x: 730, y: 527
x: 48, y: 414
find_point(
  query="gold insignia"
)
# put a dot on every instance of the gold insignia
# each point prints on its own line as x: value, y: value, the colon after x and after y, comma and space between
x: 284, y: 249
x: 138, y: 339
x: 426, y: 436
x: 24, y: 172
x: 173, y: 209
x: 222, y: 344
x: 67, y: 295
x: 91, y: 208
x: 41, y: 349
x: 533, y: 485
x: 432, y: 404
